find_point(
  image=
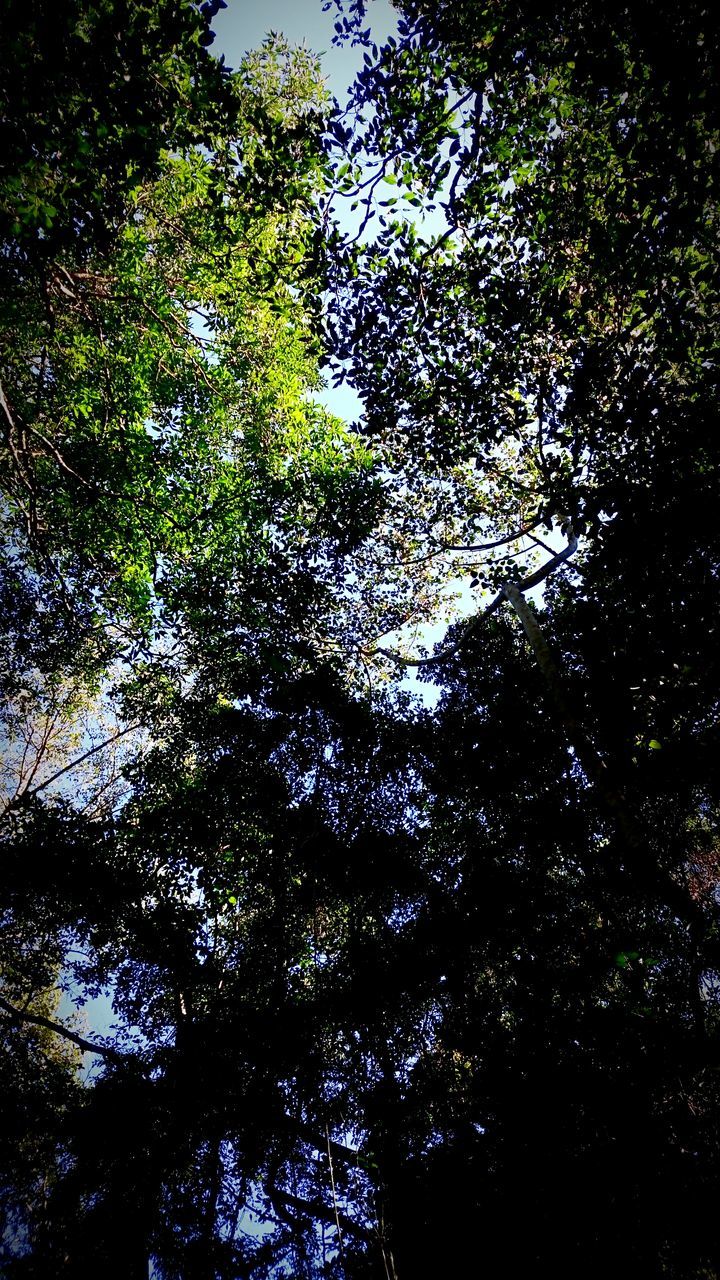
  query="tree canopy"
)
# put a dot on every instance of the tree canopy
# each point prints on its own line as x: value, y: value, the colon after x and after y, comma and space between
x: 302, y: 974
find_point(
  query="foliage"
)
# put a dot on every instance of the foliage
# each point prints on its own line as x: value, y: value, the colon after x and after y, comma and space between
x: 161, y: 450
x: 176, y: 504
x: 559, y: 300
x: 92, y: 94
x: 388, y: 982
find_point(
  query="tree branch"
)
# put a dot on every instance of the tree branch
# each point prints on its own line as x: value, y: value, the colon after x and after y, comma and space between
x: 320, y: 1142
x: 282, y: 1201
x: 593, y: 765
x: 100, y: 746
x: 37, y: 1019
x: 499, y: 542
x: 527, y: 583
x: 452, y: 649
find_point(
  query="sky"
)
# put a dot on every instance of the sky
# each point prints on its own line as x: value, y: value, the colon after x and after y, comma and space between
x: 245, y: 23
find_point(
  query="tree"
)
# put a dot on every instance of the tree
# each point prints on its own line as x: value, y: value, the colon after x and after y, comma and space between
x: 132, y: 379
x: 175, y: 508
x: 554, y: 338
x: 536, y: 336
x: 388, y: 981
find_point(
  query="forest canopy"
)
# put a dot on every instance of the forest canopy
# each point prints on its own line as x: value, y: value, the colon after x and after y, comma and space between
x: 308, y: 969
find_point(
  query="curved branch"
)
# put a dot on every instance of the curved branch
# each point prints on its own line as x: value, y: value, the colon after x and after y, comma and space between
x: 322, y: 1142
x: 527, y: 584
x: 283, y: 1201
x: 37, y: 1019
x: 452, y: 649
x: 499, y: 542
x: 550, y: 565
